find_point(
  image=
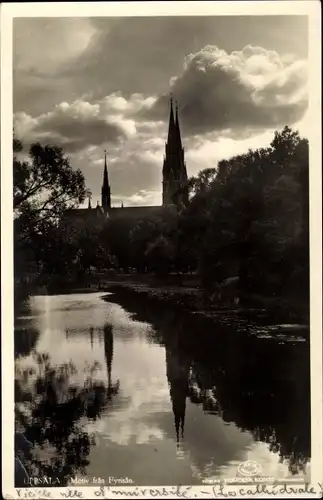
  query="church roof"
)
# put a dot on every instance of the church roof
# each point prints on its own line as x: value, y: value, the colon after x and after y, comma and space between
x: 84, y: 213
x: 134, y: 212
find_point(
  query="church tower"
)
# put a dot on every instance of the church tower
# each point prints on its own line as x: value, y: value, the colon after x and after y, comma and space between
x: 105, y: 192
x: 175, y: 190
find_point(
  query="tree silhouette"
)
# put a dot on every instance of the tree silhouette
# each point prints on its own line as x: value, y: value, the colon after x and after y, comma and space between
x: 44, y: 187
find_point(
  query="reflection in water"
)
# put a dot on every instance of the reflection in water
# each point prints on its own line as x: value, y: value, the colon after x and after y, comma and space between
x: 177, y: 370
x: 91, y: 336
x: 262, y: 387
x: 177, y: 375
x: 238, y: 397
x: 108, y: 349
x: 52, y: 421
x: 25, y: 334
x: 24, y: 340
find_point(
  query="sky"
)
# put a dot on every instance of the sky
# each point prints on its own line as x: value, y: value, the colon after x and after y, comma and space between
x: 95, y: 84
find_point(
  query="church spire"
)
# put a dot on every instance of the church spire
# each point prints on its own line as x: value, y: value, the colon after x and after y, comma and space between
x: 178, y: 131
x: 105, y: 173
x: 171, y: 125
x: 175, y: 191
x: 106, y: 192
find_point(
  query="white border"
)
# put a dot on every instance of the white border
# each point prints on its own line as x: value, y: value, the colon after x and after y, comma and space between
x: 187, y: 8
x: 152, y: 8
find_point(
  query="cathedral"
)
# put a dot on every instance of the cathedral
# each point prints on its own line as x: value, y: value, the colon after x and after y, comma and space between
x: 175, y: 189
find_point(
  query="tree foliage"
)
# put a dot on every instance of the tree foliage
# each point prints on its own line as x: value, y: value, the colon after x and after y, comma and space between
x: 43, y: 188
x: 251, y: 218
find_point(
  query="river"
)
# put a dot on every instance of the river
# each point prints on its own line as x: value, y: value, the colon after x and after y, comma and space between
x: 111, y: 392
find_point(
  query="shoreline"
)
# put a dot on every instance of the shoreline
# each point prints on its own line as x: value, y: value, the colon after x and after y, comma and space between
x: 248, y: 323
x: 189, y: 299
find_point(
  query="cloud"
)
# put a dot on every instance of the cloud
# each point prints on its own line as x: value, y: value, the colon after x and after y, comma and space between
x: 74, y: 36
x: 228, y: 101
x: 75, y: 126
x: 134, y: 172
x: 140, y: 198
x: 206, y: 151
x: 251, y: 88
x: 117, y: 103
x: 42, y: 47
x: 135, y: 145
x: 84, y: 129
x: 135, y: 54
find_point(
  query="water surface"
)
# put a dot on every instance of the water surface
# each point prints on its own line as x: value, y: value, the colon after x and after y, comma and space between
x: 114, y: 392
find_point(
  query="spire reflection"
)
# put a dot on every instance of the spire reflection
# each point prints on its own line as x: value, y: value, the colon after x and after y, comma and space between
x: 108, y: 352
x: 178, y: 371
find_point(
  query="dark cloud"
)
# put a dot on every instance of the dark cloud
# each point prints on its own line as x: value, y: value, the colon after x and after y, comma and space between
x: 99, y: 56
x: 141, y: 54
x: 252, y: 88
x: 77, y: 135
x: 74, y: 126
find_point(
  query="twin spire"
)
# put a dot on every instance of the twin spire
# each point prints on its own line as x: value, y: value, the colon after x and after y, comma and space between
x: 174, y: 133
x: 175, y: 191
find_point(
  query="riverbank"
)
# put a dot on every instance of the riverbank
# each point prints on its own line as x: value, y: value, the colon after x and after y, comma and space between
x: 194, y: 301
x: 183, y: 292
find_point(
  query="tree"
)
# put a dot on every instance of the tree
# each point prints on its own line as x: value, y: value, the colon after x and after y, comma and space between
x: 56, y: 251
x: 160, y: 255
x: 44, y: 187
x: 115, y: 240
x: 202, y: 182
x: 249, y: 218
x: 141, y: 235
x: 147, y: 231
